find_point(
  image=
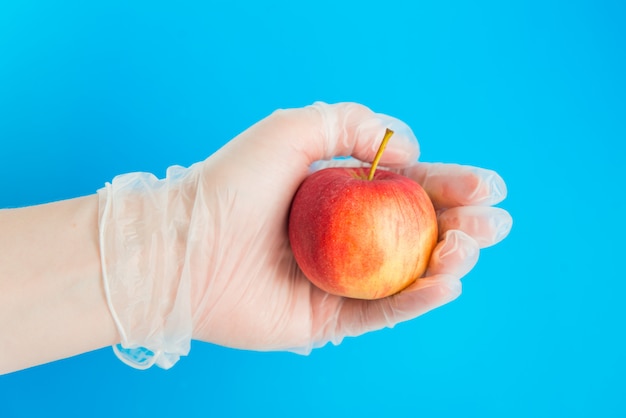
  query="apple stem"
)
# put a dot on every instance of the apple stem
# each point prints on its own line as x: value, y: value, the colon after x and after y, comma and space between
x: 379, y: 153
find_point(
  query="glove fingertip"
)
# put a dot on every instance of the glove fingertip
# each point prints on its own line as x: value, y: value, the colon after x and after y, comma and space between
x: 456, y: 254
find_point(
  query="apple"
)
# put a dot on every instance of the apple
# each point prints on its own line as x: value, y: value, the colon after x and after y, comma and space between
x: 362, y: 233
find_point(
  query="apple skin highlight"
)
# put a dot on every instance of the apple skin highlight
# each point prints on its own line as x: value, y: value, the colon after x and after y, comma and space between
x: 360, y: 238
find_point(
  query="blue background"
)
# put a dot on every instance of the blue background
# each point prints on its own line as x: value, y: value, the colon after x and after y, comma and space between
x: 532, y: 89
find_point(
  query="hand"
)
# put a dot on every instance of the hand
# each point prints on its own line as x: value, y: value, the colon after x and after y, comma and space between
x: 206, y: 251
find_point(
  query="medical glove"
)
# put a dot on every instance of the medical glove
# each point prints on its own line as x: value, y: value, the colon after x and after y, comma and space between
x: 204, y: 252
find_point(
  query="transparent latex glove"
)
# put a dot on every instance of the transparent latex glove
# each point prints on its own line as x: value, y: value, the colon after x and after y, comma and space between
x: 204, y: 253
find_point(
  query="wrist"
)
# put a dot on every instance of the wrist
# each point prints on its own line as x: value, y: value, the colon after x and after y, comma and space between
x: 144, y: 228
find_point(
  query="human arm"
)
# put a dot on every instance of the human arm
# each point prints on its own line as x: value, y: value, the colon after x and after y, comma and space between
x: 52, y: 302
x: 213, y: 239
x: 204, y: 252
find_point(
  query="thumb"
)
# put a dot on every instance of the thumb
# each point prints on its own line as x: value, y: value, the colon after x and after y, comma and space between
x: 324, y: 131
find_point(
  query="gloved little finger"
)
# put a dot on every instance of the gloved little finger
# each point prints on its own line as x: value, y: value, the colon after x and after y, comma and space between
x: 423, y: 296
x: 360, y: 316
x: 455, y: 255
x: 450, y: 185
x: 486, y: 225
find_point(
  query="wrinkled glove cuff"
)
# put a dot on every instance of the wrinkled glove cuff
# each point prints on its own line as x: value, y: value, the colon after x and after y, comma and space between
x: 143, y: 232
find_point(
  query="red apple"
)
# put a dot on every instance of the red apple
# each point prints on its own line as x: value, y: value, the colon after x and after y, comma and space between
x: 362, y: 233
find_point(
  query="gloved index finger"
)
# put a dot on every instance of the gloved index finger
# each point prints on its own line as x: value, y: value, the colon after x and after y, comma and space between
x: 402, y: 149
x: 451, y: 185
x: 349, y: 129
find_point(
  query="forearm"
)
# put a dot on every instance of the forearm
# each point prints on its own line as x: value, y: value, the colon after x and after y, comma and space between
x: 52, y: 302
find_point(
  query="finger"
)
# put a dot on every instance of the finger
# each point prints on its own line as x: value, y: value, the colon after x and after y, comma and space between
x: 486, y: 225
x: 450, y: 185
x: 423, y: 296
x: 455, y: 255
x: 453, y: 258
x: 339, y: 162
x: 360, y: 316
x: 349, y: 162
x: 322, y: 131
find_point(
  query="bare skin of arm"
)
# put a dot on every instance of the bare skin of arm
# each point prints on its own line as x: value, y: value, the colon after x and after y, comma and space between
x: 52, y: 302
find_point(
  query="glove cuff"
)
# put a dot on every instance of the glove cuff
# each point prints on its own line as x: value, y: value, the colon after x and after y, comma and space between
x: 144, y: 225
